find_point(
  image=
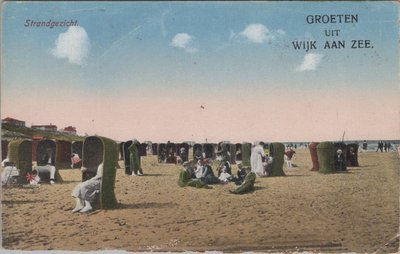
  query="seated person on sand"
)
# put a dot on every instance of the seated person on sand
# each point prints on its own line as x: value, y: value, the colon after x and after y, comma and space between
x: 339, y: 161
x: 85, y: 192
x: 48, y: 159
x: 187, y: 177
x: 268, y: 165
x: 224, y: 176
x: 10, y: 173
x: 241, y: 174
x: 224, y: 164
x: 247, y: 185
x: 204, y: 172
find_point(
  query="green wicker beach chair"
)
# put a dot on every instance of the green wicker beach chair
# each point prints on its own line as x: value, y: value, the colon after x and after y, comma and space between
x: 97, y: 150
x: 326, y: 155
x: 20, y: 155
x: 277, y: 151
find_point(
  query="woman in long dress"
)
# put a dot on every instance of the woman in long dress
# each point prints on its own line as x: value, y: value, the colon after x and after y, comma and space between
x: 256, y: 159
x: 85, y: 192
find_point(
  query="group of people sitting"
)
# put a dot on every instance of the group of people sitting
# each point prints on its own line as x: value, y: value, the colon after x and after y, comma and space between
x: 171, y: 156
x: 11, y: 173
x: 199, y: 173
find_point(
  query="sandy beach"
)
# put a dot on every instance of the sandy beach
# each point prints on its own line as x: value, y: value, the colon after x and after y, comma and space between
x: 356, y: 211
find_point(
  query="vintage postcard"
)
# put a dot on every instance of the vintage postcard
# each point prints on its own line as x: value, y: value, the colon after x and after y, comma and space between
x: 200, y: 126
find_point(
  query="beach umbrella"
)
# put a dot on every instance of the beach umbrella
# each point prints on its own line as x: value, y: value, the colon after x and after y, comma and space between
x: 314, y: 156
x: 277, y: 151
x: 326, y: 155
x: 352, y: 155
x: 20, y: 155
x: 76, y: 148
x: 97, y: 150
x: 41, y: 152
x: 246, y: 152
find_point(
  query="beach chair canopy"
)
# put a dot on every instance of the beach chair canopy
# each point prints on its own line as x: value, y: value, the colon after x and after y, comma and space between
x: 154, y: 148
x: 209, y: 150
x: 63, y: 154
x: 352, y: 155
x: 126, y: 156
x: 314, y: 156
x: 246, y: 152
x: 20, y: 155
x: 277, y: 151
x: 97, y: 150
x: 183, y: 151
x: 4, y: 149
x: 326, y: 156
x: 41, y: 151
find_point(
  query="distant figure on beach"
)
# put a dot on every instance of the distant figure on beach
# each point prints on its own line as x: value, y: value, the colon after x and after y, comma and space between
x: 163, y: 155
x: 75, y: 159
x: 49, y: 160
x: 380, y: 146
x: 85, y: 192
x: 224, y: 164
x: 268, y: 165
x: 386, y: 147
x: 365, y: 145
x: 171, y: 156
x: 339, y: 161
x: 289, y: 155
x: 256, y: 159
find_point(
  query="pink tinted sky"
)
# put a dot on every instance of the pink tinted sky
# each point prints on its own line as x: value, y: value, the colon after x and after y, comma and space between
x: 237, y: 116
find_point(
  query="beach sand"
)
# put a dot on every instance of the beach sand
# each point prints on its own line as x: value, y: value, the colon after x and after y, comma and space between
x: 304, y: 211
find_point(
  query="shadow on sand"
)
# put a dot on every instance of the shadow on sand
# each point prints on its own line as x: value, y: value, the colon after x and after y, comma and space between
x: 151, y: 205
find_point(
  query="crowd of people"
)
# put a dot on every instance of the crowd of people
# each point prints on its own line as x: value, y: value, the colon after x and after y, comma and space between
x: 197, y: 172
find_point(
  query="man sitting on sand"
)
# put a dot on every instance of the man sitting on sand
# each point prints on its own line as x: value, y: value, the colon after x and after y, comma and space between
x: 85, y: 192
x: 247, y: 186
x: 204, y: 172
x: 48, y: 159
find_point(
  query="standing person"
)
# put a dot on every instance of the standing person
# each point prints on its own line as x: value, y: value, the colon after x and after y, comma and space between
x: 365, y: 145
x: 49, y: 160
x: 134, y: 159
x: 289, y: 154
x: 386, y: 147
x: 256, y: 159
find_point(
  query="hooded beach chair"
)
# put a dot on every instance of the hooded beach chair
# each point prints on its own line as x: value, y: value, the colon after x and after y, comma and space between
x: 314, y: 156
x: 76, y: 148
x: 41, y: 151
x: 277, y: 152
x: 97, y: 150
x: 20, y: 156
x: 326, y: 157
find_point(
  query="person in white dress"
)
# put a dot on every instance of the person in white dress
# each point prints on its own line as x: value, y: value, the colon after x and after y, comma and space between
x: 256, y: 159
x: 85, y: 192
